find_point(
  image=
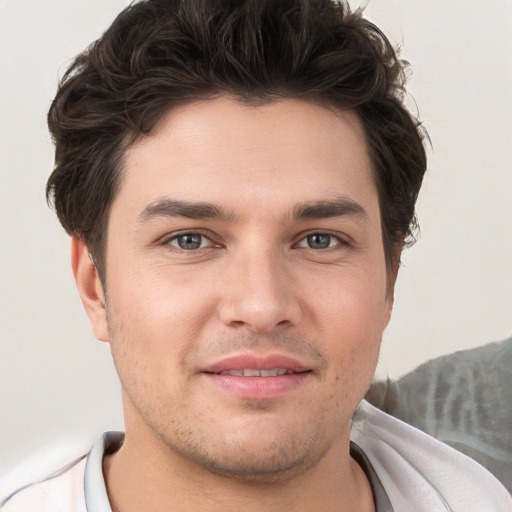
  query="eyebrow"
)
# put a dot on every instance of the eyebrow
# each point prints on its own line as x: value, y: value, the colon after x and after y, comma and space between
x: 166, y: 207
x: 338, y: 207
x: 174, y: 208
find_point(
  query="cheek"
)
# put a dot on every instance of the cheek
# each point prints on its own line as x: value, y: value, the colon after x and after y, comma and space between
x: 350, y: 302
x: 350, y: 314
x: 158, y: 313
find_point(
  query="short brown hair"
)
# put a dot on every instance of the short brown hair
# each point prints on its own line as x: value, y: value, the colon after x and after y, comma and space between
x: 159, y: 53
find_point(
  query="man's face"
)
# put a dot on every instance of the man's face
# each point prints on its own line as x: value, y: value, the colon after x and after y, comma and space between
x: 247, y: 286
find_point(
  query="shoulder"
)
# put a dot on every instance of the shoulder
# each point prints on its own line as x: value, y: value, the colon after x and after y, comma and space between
x: 59, y: 491
x: 416, y: 469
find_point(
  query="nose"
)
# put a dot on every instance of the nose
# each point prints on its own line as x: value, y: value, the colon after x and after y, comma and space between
x: 259, y: 293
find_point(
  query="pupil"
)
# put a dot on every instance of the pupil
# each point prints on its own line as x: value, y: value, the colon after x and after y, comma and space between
x: 319, y: 241
x: 190, y: 242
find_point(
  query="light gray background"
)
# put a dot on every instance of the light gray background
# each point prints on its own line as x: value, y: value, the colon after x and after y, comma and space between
x: 57, y: 384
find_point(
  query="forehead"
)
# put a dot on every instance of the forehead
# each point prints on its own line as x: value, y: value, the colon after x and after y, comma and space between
x: 223, y: 151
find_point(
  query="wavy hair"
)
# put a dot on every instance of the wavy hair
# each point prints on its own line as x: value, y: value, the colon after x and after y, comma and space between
x: 160, y: 53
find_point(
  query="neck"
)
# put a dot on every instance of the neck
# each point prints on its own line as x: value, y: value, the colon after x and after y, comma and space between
x: 153, y: 478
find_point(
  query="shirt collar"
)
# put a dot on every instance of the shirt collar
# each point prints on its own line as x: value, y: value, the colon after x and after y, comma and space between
x: 96, y: 497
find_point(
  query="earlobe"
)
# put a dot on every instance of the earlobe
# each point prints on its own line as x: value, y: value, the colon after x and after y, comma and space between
x: 89, y: 287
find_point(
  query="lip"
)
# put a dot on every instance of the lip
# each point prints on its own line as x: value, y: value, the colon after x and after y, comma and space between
x: 256, y: 362
x: 257, y: 388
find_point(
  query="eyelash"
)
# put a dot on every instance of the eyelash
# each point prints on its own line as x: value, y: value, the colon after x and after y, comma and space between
x: 167, y: 241
x: 340, y: 242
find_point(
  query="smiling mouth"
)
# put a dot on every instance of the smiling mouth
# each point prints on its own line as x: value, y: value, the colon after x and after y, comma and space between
x: 249, y: 372
x: 258, y: 379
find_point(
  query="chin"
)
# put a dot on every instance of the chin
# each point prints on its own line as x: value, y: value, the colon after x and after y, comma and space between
x: 252, y: 467
x: 255, y: 454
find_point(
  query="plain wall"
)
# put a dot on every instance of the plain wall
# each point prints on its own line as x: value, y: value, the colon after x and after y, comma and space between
x: 454, y: 291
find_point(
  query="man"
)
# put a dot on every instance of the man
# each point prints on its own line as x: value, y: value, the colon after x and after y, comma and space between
x: 239, y: 180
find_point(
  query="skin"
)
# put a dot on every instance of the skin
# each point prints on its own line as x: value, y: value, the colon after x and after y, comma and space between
x: 257, y: 284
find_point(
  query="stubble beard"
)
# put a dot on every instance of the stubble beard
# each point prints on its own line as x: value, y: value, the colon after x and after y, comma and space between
x: 182, y: 432
x: 279, y: 459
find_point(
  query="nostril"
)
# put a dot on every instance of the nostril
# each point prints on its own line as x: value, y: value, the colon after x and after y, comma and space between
x: 259, y: 312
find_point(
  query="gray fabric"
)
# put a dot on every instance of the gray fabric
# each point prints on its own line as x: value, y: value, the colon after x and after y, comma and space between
x: 463, y: 399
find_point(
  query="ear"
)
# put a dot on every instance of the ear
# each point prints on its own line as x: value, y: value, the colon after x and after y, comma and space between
x: 89, y: 287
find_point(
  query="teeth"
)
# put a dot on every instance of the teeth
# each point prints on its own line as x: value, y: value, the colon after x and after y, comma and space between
x: 232, y: 372
x: 249, y: 372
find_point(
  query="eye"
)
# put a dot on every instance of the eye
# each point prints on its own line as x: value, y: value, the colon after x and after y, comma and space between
x: 320, y: 241
x: 190, y: 241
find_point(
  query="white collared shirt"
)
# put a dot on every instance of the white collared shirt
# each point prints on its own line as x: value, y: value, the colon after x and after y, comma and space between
x: 417, y: 472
